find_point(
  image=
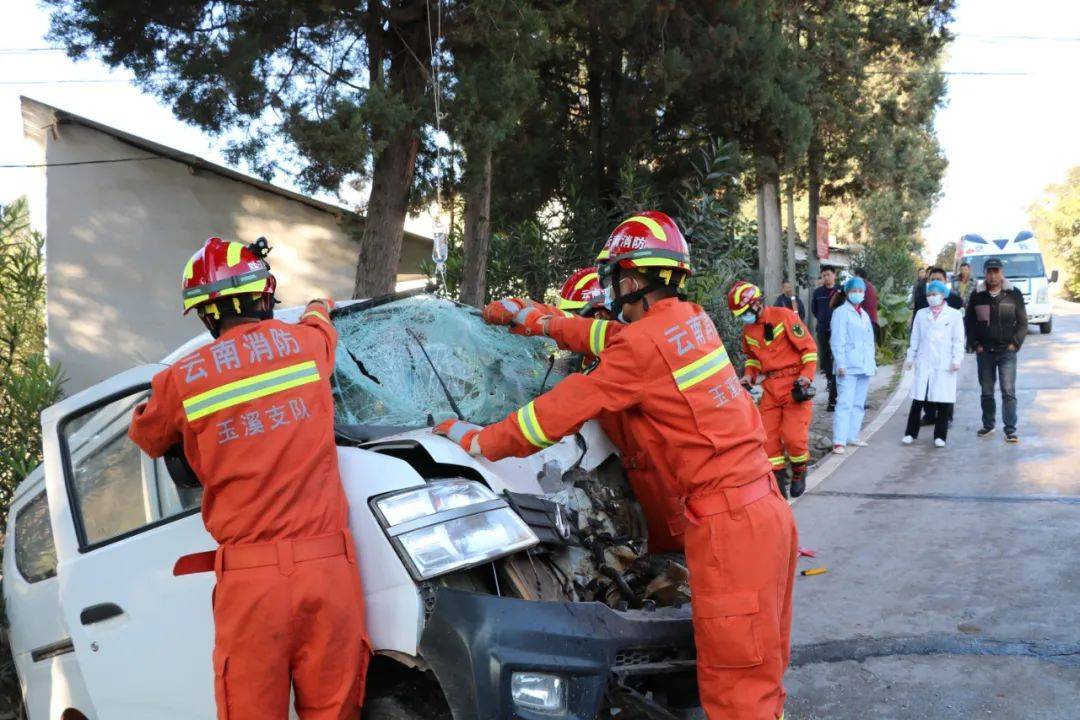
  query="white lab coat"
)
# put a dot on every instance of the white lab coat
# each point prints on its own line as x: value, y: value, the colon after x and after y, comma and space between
x: 936, y: 344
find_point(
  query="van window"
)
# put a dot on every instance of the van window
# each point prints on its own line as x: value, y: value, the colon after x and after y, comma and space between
x: 35, y: 552
x: 110, y: 491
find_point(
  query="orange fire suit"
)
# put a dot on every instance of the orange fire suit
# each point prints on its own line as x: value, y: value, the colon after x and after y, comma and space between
x: 664, y: 514
x: 779, y: 346
x: 672, y: 370
x: 255, y: 415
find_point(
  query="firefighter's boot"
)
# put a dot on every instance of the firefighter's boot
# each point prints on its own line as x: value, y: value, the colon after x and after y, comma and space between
x: 798, y: 479
x: 781, y: 476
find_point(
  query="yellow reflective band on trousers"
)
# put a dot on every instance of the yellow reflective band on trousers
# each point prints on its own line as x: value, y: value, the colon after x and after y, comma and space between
x: 530, y: 427
x: 701, y: 369
x: 251, y: 388
x: 598, y: 336
x: 800, y: 458
x: 778, y: 461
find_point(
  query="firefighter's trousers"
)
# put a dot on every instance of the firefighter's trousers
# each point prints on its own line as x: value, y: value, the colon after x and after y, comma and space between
x: 786, y: 421
x: 741, y: 548
x: 297, y: 623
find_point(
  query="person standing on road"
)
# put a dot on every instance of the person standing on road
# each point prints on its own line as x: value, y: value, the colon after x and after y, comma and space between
x: 788, y: 299
x: 963, y: 285
x: 669, y: 372
x: 821, y: 307
x: 777, y: 345
x: 996, y: 327
x: 854, y: 363
x: 255, y: 418
x: 936, y: 350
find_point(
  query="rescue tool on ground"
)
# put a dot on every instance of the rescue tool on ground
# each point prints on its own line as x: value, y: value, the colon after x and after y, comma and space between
x: 778, y: 346
x: 668, y: 375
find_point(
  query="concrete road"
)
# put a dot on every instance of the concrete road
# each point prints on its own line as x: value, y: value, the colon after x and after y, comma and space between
x: 953, y: 588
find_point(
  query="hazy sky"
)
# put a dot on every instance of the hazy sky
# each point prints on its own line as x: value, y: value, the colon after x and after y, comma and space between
x: 1006, y: 136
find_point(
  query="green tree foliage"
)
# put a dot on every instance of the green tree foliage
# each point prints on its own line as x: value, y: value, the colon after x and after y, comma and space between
x: 28, y: 383
x: 1055, y: 218
x: 946, y: 258
x: 327, y: 92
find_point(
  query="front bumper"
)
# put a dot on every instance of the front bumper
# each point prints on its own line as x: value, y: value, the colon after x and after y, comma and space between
x: 639, y: 661
x: 1039, y: 312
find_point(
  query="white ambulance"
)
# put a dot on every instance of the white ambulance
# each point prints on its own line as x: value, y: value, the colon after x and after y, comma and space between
x: 1024, y: 268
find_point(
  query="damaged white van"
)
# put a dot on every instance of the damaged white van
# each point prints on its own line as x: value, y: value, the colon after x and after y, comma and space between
x: 521, y: 588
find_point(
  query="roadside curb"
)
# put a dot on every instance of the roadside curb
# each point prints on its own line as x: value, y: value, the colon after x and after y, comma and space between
x: 825, y: 467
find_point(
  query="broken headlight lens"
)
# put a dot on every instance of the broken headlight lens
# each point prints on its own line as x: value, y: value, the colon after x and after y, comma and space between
x: 450, y: 525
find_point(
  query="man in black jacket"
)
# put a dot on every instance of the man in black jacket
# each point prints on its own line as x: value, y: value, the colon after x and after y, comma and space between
x: 996, y: 323
x: 788, y: 299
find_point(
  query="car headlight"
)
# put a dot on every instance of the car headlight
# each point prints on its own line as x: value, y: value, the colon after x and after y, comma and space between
x: 1042, y: 295
x: 450, y: 525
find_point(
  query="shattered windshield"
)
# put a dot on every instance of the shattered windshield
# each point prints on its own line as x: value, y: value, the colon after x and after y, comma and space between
x: 382, y: 378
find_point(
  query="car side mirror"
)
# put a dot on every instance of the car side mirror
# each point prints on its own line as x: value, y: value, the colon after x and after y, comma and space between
x: 1054, y: 277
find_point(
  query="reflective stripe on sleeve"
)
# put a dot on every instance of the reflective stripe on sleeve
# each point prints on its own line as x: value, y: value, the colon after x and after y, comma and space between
x: 598, y: 336
x: 808, y: 357
x: 251, y: 388
x: 778, y: 461
x: 753, y: 364
x: 701, y: 369
x: 530, y: 426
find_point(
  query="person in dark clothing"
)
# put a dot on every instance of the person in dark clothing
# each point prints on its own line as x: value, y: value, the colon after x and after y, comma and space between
x: 870, y: 304
x: 820, y: 306
x: 788, y: 299
x: 918, y: 291
x: 996, y: 323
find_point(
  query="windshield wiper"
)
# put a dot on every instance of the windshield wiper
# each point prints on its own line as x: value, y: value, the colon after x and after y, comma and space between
x: 442, y: 383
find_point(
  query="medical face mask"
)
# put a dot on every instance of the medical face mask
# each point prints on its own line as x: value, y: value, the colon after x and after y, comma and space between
x: 855, y: 297
x: 748, y: 318
x: 935, y: 300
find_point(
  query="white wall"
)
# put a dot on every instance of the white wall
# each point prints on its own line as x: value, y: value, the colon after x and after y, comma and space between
x: 118, y: 236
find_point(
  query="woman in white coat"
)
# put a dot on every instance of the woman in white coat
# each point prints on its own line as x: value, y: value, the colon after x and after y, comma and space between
x: 936, y: 350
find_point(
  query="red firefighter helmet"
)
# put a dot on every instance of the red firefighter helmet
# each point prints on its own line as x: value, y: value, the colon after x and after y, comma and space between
x: 647, y: 241
x: 222, y: 268
x: 741, y: 296
x: 582, y: 292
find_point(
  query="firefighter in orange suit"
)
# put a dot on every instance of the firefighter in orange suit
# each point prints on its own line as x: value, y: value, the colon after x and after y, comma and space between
x: 670, y: 374
x: 254, y: 413
x: 587, y: 333
x: 778, y: 345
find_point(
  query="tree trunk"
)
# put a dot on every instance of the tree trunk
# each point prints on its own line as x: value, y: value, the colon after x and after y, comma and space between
x: 384, y: 226
x: 477, y: 230
x: 774, y: 253
x: 760, y: 193
x: 813, y: 183
x: 791, y: 234
x: 392, y: 171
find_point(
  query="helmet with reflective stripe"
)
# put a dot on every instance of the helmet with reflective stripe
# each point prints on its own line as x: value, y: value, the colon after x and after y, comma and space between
x: 647, y: 241
x: 582, y: 292
x: 741, y: 296
x: 222, y: 268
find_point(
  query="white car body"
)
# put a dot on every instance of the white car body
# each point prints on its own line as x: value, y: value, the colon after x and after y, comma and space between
x: 114, y: 635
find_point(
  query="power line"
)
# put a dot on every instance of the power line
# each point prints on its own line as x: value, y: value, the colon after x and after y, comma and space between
x: 27, y: 50
x: 85, y: 162
x: 1026, y: 38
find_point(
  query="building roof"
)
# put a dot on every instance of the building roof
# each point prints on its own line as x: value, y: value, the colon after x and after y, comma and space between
x: 39, y: 117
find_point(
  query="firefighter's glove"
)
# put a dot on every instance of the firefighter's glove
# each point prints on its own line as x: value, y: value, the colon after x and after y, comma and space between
x: 502, y: 312
x: 529, y: 321
x: 465, y: 434
x: 804, y: 381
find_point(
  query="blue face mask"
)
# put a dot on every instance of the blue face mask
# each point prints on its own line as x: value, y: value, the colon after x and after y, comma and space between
x: 855, y: 297
x: 748, y: 318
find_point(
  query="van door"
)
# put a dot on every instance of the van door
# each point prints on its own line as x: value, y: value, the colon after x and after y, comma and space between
x: 143, y: 638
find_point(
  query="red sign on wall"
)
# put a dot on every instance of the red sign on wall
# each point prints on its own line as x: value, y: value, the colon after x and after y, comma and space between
x: 822, y: 237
